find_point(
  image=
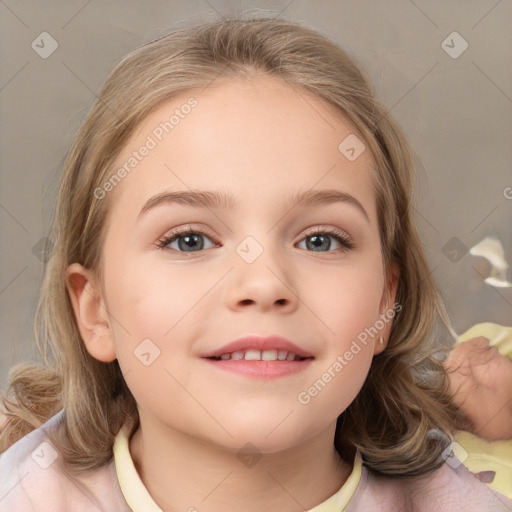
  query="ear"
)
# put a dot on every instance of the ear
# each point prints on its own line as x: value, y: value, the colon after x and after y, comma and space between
x: 90, y: 313
x: 386, y: 304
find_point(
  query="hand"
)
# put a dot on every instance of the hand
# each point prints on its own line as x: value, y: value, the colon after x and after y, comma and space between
x: 481, y: 383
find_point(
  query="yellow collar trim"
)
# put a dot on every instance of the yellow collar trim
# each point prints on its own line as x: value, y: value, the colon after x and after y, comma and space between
x: 134, y: 491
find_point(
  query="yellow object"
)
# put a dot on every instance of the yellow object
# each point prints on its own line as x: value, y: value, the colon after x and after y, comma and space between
x: 499, y: 336
x: 488, y: 457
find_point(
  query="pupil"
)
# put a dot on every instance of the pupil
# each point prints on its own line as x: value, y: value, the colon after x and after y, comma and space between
x: 190, y: 241
x: 317, y: 242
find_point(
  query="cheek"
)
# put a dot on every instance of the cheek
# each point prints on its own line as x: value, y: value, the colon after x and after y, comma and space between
x: 337, y: 380
x: 150, y: 301
x: 345, y: 300
x: 349, y: 323
x: 154, y: 315
x: 157, y: 313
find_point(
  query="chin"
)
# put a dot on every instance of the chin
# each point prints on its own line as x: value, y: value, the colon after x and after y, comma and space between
x: 268, y: 436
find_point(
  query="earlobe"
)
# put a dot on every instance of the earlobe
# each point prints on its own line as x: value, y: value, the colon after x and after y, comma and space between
x: 90, y: 313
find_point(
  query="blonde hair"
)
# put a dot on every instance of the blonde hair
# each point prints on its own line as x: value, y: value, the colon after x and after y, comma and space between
x: 404, y: 398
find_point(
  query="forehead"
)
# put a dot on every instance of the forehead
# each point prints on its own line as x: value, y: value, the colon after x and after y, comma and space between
x: 252, y: 137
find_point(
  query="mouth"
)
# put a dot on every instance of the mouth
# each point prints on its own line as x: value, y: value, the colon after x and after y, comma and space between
x: 259, y: 368
x: 262, y: 358
x: 252, y: 347
x: 259, y: 355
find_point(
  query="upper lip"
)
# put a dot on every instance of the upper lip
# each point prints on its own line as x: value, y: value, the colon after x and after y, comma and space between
x: 258, y: 343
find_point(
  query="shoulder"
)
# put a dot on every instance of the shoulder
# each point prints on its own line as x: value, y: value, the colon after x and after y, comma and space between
x: 34, y: 478
x: 452, y: 488
x: 490, y: 461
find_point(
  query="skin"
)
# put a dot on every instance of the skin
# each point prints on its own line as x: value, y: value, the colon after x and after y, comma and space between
x: 481, y: 382
x: 259, y: 140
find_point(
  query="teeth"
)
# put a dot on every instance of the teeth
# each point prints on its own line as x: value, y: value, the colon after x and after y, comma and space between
x: 261, y: 355
x: 252, y: 355
x: 269, y: 355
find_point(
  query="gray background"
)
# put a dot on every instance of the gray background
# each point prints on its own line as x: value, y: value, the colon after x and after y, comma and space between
x: 455, y: 111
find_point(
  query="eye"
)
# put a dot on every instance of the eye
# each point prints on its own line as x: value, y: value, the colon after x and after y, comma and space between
x: 188, y: 239
x: 192, y: 240
x: 319, y: 239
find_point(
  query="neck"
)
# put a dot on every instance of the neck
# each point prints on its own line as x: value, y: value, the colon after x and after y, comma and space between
x: 181, y: 472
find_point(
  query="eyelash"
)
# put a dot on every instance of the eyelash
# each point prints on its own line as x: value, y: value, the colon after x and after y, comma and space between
x: 344, y: 240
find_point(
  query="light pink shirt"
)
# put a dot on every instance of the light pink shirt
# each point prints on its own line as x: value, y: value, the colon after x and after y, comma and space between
x: 32, y: 479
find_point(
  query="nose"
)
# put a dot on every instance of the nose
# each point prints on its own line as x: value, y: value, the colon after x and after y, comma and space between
x: 264, y: 285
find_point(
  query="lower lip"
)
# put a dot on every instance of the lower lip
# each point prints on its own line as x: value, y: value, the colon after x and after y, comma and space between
x: 261, y: 369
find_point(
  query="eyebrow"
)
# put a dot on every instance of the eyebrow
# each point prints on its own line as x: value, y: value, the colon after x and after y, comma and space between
x: 218, y: 200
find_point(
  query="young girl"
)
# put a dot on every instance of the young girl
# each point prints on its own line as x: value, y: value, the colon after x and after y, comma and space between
x: 238, y: 311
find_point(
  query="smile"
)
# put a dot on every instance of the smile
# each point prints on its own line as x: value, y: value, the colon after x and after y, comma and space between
x: 261, y: 355
x: 252, y: 363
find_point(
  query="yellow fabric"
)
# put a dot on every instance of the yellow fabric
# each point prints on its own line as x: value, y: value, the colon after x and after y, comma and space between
x: 139, y: 499
x: 486, y: 455
x: 500, y: 336
x: 134, y: 491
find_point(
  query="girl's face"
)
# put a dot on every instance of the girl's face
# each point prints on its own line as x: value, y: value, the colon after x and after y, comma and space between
x: 254, y: 267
